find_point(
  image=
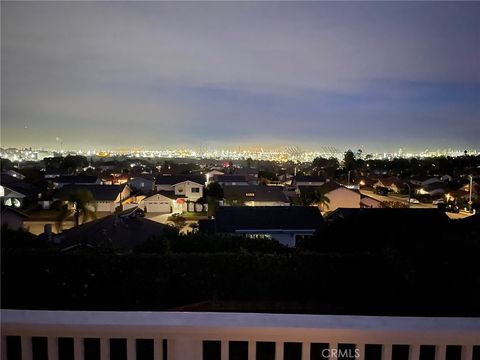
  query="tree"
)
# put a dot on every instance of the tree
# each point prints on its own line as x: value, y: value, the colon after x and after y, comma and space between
x: 214, y: 193
x: 249, y: 162
x: 214, y: 190
x: 83, y: 203
x: 314, y: 197
x: 74, y: 162
x: 5, y: 164
x: 266, y: 177
x: 349, y: 160
x: 322, y: 200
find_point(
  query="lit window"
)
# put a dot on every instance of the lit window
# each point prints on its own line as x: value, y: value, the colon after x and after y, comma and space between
x: 250, y: 194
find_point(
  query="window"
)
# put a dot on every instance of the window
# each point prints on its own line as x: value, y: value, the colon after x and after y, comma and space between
x: 195, y: 189
x: 238, y: 350
x: 250, y: 194
x: 212, y: 350
x: 258, y: 236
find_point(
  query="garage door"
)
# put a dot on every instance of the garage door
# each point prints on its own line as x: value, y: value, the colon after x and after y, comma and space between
x: 158, y: 206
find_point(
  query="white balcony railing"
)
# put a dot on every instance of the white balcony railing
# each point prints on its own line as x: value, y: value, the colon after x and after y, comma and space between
x: 183, y: 336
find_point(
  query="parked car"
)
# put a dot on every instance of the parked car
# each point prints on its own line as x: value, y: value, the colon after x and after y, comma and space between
x: 452, y: 208
x: 380, y: 190
x: 438, y: 201
x: 414, y: 201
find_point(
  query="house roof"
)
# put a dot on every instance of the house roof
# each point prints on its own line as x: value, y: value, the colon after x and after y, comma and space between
x: 422, y: 177
x: 228, y: 219
x: 99, y: 192
x: 17, y: 185
x: 149, y: 177
x: 363, y: 196
x: 7, y: 209
x: 168, y: 194
x: 459, y: 194
x: 175, y: 179
x: 254, y: 193
x: 436, y: 185
x: 330, y: 186
x: 76, y: 179
x: 230, y: 178
x: 395, y: 216
x: 392, y: 180
x: 245, y: 171
x: 325, y: 188
x: 125, y: 231
x: 309, y: 178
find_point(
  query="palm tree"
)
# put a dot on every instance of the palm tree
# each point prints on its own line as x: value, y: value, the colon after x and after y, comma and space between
x: 322, y: 200
x: 315, y: 197
x: 83, y: 204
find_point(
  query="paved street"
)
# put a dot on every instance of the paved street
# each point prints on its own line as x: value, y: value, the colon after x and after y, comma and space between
x: 404, y: 199
x: 396, y: 197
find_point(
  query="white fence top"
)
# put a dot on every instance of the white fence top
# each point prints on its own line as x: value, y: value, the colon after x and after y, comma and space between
x: 236, y: 320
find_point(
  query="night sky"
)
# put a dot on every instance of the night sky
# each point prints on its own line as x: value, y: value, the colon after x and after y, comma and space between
x: 371, y: 75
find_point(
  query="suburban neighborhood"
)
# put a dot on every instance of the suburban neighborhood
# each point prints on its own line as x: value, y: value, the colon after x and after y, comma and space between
x: 188, y: 195
x: 240, y: 180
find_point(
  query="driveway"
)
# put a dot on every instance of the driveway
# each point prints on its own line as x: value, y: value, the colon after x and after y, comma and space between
x: 161, y: 218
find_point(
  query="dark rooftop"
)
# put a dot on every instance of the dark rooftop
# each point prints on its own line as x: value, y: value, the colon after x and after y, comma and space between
x: 397, y: 215
x: 231, y: 218
x: 230, y: 178
x: 76, y: 179
x: 99, y: 192
x: 309, y: 178
x: 19, y: 186
x: 122, y: 231
x: 175, y: 179
x: 244, y: 193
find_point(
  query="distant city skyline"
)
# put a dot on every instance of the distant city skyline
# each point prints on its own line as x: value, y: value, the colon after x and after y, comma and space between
x: 368, y: 75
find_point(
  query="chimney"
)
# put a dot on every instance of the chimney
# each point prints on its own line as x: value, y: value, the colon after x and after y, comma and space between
x: 48, y: 231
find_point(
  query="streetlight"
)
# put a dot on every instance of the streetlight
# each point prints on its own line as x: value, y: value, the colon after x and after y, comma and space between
x: 409, y: 194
